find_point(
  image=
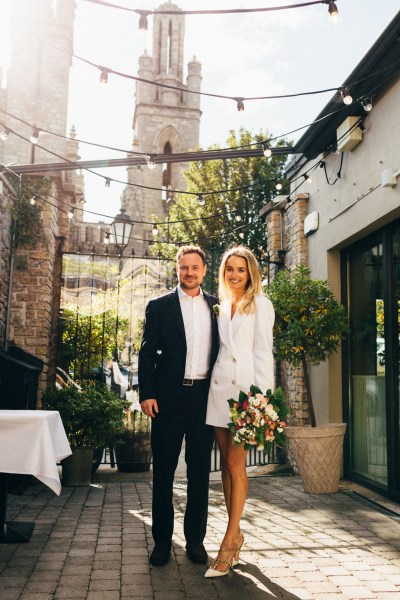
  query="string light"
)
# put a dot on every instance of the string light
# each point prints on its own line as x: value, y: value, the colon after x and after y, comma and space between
x: 366, y: 103
x: 104, y: 75
x: 143, y: 23
x: 133, y: 253
x: 241, y: 235
x: 239, y: 104
x: 107, y: 238
x: 267, y: 150
x: 332, y: 9
x: 106, y: 251
x: 107, y: 182
x: 33, y: 199
x: 34, y: 136
x: 71, y: 212
x: 155, y: 230
x: 307, y: 178
x: 4, y: 134
x: 151, y: 163
x: 201, y: 200
x: 347, y: 99
x: 278, y: 185
x: 238, y: 217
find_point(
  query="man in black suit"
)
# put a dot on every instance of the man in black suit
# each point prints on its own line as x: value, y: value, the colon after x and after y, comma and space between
x: 178, y: 350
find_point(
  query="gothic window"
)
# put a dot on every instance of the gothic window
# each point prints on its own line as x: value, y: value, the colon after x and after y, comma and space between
x: 166, y: 175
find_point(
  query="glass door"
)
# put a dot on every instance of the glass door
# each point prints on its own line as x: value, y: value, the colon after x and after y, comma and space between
x: 367, y: 427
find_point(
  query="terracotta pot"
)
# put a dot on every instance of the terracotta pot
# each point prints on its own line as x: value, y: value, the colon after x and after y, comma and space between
x: 318, y: 452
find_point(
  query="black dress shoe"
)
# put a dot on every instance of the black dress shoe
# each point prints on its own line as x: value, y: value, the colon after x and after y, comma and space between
x: 197, y: 553
x: 160, y: 555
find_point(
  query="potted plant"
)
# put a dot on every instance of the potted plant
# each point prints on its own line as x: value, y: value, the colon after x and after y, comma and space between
x: 309, y: 325
x: 93, y: 417
x: 133, y: 453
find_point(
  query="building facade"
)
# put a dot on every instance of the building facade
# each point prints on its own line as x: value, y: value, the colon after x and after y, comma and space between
x: 346, y: 227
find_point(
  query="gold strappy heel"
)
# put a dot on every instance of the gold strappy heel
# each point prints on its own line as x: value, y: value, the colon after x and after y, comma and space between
x: 238, y: 543
x: 213, y: 572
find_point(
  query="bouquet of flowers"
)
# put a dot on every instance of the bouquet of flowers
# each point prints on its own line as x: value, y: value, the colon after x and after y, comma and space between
x: 258, y: 419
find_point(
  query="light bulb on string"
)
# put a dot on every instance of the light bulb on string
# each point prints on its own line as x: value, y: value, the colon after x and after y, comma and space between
x: 4, y: 134
x: 307, y: 178
x: 239, y: 104
x: 201, y: 199
x: 133, y: 253
x: 151, y: 163
x: 34, y: 136
x: 347, y: 99
x: 107, y: 182
x: 107, y: 238
x: 33, y: 200
x: 332, y: 10
x: 143, y: 22
x: 155, y: 230
x: 71, y: 212
x: 238, y: 217
x: 241, y: 235
x: 278, y: 185
x: 267, y: 150
x: 104, y: 75
x: 366, y: 103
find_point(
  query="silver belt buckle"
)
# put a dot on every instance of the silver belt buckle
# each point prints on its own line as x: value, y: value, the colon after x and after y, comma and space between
x: 188, y: 382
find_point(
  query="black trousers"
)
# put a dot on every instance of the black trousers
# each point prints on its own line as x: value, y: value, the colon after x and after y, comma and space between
x: 169, y: 427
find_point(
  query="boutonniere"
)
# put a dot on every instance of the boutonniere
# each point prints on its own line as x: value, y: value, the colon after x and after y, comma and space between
x: 216, y: 309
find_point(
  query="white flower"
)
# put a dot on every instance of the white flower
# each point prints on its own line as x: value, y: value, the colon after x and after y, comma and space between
x: 279, y: 429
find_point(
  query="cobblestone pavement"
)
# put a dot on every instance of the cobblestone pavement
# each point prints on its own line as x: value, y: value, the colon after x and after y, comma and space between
x: 93, y: 543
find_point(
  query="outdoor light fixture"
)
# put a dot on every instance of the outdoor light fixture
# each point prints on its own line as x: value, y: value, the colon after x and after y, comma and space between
x: 155, y: 230
x: 347, y: 99
x: 307, y: 178
x: 107, y: 182
x: 267, y: 150
x: 143, y: 23
x: 239, y: 103
x: 4, y: 134
x: 278, y: 185
x: 104, y: 75
x: 71, y: 212
x: 366, y: 103
x: 33, y: 199
x: 151, y: 163
x: 34, y: 136
x: 201, y: 200
x: 332, y: 9
x: 107, y: 238
x: 121, y: 229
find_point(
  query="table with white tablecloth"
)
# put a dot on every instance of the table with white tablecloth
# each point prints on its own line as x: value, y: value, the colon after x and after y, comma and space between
x: 32, y: 442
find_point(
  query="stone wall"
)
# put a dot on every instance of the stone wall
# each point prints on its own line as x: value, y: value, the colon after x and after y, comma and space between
x: 286, y: 240
x: 5, y: 249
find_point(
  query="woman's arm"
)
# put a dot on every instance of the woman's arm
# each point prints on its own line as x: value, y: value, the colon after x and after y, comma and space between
x: 263, y: 344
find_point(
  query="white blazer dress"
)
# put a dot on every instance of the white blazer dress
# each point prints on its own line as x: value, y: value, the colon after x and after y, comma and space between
x: 244, y: 358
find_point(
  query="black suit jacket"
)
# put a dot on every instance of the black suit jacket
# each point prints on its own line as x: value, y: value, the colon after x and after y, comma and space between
x: 162, y: 356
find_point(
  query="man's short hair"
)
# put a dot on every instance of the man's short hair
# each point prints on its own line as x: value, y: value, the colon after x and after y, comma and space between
x: 191, y: 250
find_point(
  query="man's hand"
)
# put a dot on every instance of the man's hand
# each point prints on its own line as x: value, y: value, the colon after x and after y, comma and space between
x: 149, y: 407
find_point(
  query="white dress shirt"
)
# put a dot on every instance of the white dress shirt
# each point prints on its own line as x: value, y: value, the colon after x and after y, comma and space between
x: 197, y: 322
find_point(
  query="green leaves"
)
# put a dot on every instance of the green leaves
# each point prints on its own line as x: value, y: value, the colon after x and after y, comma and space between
x: 308, y: 318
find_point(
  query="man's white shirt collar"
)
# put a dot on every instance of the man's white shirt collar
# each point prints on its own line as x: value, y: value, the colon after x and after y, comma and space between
x: 183, y: 294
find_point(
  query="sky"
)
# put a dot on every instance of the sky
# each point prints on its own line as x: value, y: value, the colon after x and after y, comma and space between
x: 259, y: 54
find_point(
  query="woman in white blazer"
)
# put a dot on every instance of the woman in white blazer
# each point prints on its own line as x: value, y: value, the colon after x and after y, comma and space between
x: 245, y: 323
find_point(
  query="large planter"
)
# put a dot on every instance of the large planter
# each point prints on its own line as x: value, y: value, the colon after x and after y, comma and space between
x: 77, y: 468
x: 134, y: 455
x: 318, y: 452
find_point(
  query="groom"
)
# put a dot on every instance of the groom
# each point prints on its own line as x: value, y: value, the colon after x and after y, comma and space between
x: 178, y: 350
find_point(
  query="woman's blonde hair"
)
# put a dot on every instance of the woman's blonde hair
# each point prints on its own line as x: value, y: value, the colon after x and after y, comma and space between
x: 253, y: 287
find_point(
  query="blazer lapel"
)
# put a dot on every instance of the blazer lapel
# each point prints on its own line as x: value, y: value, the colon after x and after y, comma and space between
x: 176, y: 312
x: 225, y: 325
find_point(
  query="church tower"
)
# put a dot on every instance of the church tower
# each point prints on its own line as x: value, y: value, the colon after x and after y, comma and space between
x: 166, y: 121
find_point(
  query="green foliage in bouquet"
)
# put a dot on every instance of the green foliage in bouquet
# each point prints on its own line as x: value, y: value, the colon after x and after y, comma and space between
x: 258, y: 419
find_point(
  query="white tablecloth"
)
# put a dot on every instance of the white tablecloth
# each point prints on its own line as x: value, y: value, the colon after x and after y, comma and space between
x: 31, y: 443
